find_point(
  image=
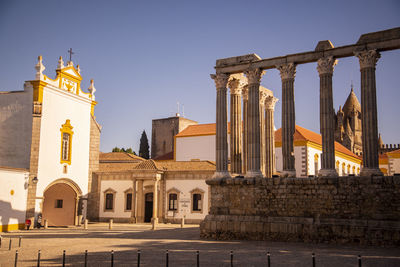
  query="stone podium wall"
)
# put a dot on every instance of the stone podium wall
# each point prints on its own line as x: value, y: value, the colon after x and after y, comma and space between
x: 351, y: 209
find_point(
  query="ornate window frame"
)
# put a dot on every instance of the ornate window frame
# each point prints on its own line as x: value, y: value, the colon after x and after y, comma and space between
x: 126, y: 192
x: 171, y: 191
x: 201, y: 193
x: 105, y: 193
x: 66, y: 130
x: 343, y: 168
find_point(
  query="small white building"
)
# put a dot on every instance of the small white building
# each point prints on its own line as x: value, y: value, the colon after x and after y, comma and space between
x: 49, y: 128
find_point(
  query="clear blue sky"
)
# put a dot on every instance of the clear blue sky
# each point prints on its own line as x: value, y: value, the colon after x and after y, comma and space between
x: 146, y: 55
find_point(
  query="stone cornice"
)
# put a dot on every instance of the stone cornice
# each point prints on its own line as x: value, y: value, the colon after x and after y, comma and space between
x: 220, y: 79
x: 254, y: 75
x: 368, y: 59
x: 287, y: 71
x: 326, y: 65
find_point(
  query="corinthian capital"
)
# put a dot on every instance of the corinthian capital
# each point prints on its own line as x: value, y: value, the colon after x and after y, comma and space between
x: 236, y: 86
x: 368, y: 59
x: 245, y: 92
x: 288, y: 71
x: 220, y: 79
x: 270, y: 102
x: 326, y: 65
x: 254, y: 75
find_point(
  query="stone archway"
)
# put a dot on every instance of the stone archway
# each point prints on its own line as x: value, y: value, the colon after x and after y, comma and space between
x: 60, y: 203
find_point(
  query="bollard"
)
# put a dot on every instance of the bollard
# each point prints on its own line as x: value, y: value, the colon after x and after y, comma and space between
x: 166, y: 258
x: 231, y: 258
x: 313, y: 259
x: 86, y: 224
x: 112, y: 258
x: 38, y: 258
x: 198, y: 258
x: 269, y: 259
x: 85, y: 258
x: 183, y: 221
x: 19, y: 244
x: 63, y: 260
x: 10, y: 245
x: 46, y: 224
x: 138, y: 258
x: 110, y: 225
x: 359, y: 260
x: 16, y: 258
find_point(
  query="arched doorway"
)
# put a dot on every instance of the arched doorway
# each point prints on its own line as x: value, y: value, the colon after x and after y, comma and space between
x: 148, y: 207
x: 60, y: 203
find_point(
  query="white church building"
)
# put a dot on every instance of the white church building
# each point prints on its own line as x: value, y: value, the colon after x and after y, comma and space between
x: 49, y: 146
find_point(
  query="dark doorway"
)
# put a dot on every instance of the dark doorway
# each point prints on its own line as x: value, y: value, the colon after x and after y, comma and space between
x: 148, y: 207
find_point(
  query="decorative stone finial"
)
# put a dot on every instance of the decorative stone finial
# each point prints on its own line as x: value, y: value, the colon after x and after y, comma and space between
x: 78, y: 69
x: 70, y: 64
x: 60, y: 63
x: 368, y: 59
x: 326, y: 65
x: 254, y: 75
x: 39, y: 69
x: 220, y: 79
x: 92, y: 89
x: 287, y: 71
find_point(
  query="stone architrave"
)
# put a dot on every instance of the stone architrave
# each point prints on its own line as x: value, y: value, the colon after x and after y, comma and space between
x: 288, y: 73
x: 369, y: 114
x: 270, y: 164
x: 221, y: 138
x: 245, y: 97
x: 253, y: 122
x: 327, y: 124
x: 235, y: 86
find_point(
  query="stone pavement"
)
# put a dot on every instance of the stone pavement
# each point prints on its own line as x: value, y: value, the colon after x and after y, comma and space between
x: 126, y: 239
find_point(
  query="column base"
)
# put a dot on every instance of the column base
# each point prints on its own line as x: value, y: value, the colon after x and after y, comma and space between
x: 288, y: 174
x: 370, y: 172
x: 132, y: 220
x: 253, y: 173
x: 223, y: 174
x: 327, y: 173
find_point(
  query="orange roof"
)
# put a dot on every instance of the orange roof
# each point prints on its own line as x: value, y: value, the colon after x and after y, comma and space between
x: 119, y: 157
x: 199, y: 129
x: 303, y: 134
x: 394, y: 152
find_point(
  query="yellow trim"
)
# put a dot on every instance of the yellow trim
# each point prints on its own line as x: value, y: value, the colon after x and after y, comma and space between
x: 38, y: 90
x: 316, y: 157
x: 12, y: 227
x: 66, y: 128
x: 383, y: 161
x: 394, y: 155
x: 94, y: 103
x: 384, y: 170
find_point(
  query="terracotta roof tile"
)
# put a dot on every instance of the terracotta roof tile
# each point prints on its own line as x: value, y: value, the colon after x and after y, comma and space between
x: 119, y: 157
x: 187, y: 165
x: 105, y: 167
x: 199, y: 129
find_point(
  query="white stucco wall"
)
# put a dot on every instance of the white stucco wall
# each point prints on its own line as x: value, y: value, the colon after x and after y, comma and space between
x: 119, y: 202
x: 13, y: 195
x: 58, y: 106
x: 185, y: 187
x: 16, y: 128
x: 298, y: 151
x: 196, y: 147
x: 394, y: 165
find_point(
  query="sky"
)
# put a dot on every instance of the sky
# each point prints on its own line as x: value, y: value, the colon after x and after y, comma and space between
x: 145, y: 56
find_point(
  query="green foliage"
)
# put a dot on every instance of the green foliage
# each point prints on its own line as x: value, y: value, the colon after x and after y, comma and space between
x: 116, y: 149
x: 144, y: 146
x: 128, y: 150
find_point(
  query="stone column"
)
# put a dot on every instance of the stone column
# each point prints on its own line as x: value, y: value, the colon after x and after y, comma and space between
x: 369, y: 114
x: 245, y: 129
x: 270, y: 164
x: 236, y: 126
x: 140, y: 202
x: 327, y: 116
x: 154, y: 219
x: 221, y: 138
x: 288, y: 72
x: 263, y: 95
x: 134, y: 196
x: 253, y: 121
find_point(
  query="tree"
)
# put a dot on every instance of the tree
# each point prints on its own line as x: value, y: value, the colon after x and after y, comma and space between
x: 129, y: 150
x: 144, y: 146
x: 116, y: 149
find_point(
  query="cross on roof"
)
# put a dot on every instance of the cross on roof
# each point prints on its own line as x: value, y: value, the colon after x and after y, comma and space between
x: 70, y: 54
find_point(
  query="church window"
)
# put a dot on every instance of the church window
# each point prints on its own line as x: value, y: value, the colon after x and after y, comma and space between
x: 344, y: 169
x: 348, y: 169
x: 354, y: 170
x: 59, y: 204
x: 316, y: 167
x: 337, y: 166
x: 128, y: 201
x: 66, y: 142
x: 358, y: 171
x: 197, y: 200
x: 109, y: 199
x: 173, y: 202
